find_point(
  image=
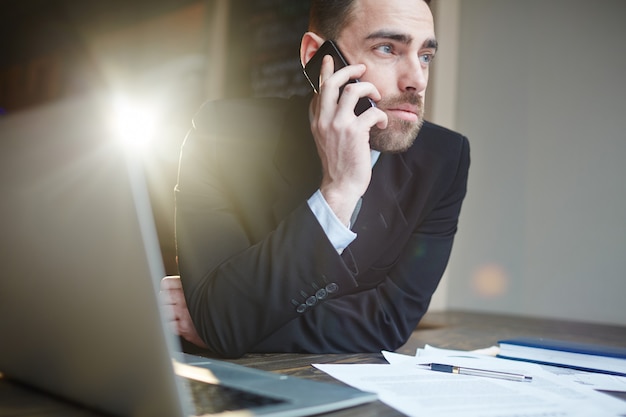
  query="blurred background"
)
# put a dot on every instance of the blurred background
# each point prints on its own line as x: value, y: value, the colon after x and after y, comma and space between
x: 538, y: 87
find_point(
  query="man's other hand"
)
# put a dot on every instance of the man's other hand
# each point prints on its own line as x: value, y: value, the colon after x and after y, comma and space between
x: 178, y: 317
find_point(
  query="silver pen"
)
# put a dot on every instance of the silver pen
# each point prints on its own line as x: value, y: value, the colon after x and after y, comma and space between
x: 451, y: 369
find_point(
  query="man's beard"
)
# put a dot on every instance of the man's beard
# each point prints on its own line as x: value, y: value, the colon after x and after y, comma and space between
x: 399, y: 134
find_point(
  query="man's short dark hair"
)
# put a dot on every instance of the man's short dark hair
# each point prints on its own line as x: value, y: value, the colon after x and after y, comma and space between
x: 328, y: 17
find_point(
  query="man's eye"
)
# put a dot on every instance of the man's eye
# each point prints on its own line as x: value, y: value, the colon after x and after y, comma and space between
x: 385, y: 49
x: 426, y: 59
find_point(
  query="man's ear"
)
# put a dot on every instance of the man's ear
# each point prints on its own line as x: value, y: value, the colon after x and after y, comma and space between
x: 310, y: 43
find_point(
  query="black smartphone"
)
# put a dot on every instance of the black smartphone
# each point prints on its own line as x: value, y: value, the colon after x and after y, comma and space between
x: 313, y: 67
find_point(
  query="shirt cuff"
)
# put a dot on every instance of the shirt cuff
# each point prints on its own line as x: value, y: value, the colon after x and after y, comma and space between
x: 338, y: 234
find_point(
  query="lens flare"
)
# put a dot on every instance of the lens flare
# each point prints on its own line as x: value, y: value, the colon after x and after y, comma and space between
x: 490, y: 281
x: 134, y: 123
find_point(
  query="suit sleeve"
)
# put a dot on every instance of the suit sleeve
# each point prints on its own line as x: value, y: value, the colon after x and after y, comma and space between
x: 384, y: 316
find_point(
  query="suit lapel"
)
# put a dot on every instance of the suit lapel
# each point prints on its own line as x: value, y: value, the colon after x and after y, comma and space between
x: 381, y: 218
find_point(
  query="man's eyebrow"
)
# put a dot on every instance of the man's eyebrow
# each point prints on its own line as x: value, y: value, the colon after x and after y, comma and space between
x: 402, y: 38
x: 431, y: 43
x: 388, y: 34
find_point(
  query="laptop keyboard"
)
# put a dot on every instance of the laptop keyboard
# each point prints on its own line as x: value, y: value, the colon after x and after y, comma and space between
x: 215, y: 398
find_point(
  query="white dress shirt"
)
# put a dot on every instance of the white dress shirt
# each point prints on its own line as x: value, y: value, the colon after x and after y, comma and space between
x: 338, y: 234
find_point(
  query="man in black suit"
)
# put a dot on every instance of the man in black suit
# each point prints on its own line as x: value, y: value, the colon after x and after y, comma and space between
x: 302, y: 227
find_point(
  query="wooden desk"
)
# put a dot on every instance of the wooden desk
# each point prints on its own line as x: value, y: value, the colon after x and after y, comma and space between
x: 453, y: 330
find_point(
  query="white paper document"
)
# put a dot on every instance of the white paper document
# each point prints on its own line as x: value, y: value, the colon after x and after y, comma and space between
x: 415, y: 391
x: 593, y: 380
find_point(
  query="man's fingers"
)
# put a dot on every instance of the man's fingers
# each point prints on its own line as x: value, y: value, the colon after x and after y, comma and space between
x: 186, y: 329
x: 352, y: 92
x: 177, y: 314
x: 327, y: 69
x: 168, y: 311
x: 172, y: 291
x: 375, y: 116
x: 171, y: 283
x: 174, y: 297
x: 330, y: 84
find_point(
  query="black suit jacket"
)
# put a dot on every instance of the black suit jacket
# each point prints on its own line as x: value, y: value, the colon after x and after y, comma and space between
x: 258, y: 271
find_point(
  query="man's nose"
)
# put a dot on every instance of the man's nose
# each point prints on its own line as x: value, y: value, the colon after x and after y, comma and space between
x: 413, y: 76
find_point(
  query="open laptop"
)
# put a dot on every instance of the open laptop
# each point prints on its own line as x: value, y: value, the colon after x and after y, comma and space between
x: 80, y: 259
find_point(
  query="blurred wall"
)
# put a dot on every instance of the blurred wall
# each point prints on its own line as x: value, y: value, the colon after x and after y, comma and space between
x: 539, y: 89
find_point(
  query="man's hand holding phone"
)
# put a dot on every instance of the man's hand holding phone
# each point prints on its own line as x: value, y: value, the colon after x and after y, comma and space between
x: 342, y: 136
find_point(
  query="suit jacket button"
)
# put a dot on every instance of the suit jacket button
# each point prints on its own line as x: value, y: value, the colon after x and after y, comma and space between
x: 332, y: 288
x: 301, y: 308
x: 311, y: 301
x: 321, y: 294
